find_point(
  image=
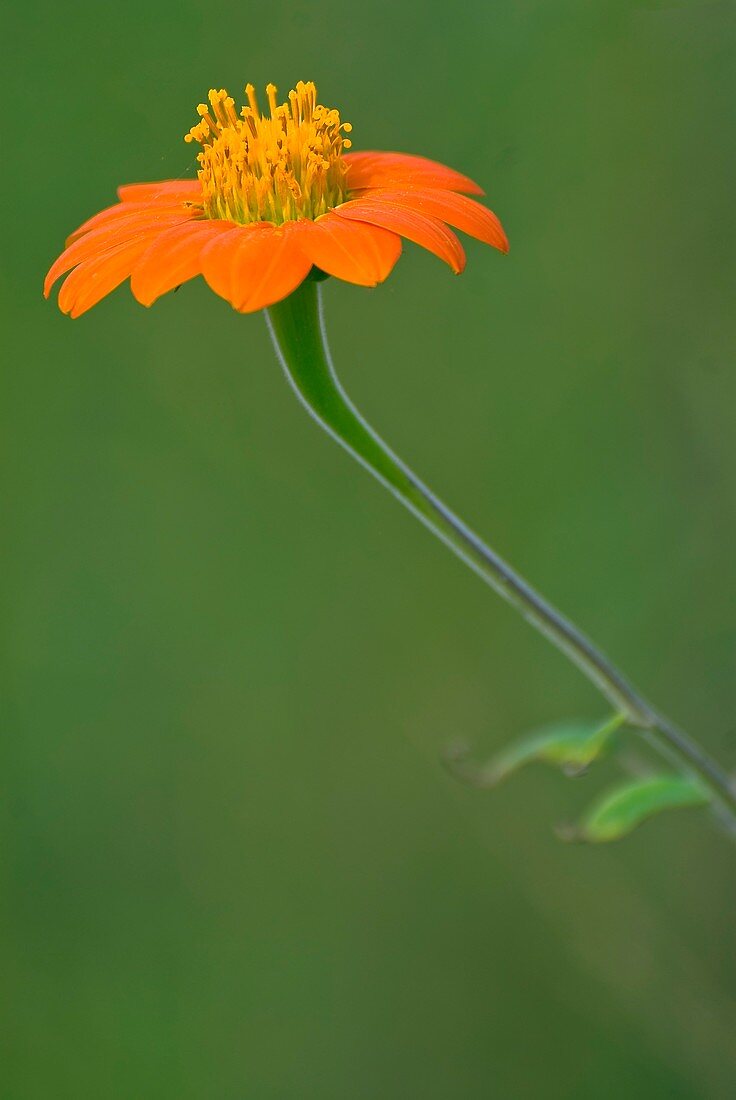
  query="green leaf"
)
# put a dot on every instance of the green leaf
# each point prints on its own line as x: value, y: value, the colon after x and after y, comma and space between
x: 570, y: 746
x: 621, y: 810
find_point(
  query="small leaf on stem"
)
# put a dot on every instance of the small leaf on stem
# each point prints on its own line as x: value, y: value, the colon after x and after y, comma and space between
x: 621, y: 810
x: 570, y: 746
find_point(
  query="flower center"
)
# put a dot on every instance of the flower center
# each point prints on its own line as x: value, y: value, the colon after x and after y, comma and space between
x: 276, y: 169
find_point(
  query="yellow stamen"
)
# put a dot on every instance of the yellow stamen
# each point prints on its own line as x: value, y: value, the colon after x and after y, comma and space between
x: 251, y: 94
x: 277, y: 169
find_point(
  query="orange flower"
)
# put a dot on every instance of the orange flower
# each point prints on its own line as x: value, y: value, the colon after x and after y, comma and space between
x: 275, y: 196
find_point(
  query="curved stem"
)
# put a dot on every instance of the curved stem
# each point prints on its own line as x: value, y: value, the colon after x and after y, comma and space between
x: 297, y: 329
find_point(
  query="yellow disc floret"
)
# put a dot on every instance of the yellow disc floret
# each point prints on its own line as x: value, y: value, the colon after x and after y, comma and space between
x: 280, y: 168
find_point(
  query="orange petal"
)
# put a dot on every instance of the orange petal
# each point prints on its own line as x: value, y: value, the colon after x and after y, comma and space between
x: 353, y: 251
x: 372, y: 169
x: 254, y: 266
x: 217, y: 259
x: 173, y: 258
x: 145, y: 192
x: 457, y: 210
x: 155, y: 213
x: 420, y: 228
x: 104, y: 237
x: 97, y: 277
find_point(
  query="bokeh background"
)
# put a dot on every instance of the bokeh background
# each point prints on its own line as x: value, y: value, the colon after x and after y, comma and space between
x: 233, y: 865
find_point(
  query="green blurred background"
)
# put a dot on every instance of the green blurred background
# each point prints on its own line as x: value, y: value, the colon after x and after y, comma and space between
x: 233, y: 865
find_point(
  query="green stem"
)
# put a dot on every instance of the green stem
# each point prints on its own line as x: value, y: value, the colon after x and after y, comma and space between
x: 297, y: 329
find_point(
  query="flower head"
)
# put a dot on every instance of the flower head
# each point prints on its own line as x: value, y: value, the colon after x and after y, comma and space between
x: 276, y: 195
